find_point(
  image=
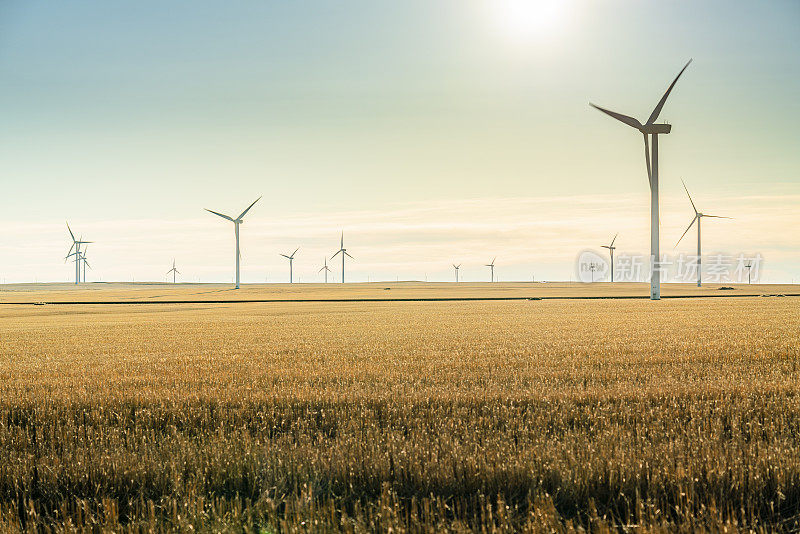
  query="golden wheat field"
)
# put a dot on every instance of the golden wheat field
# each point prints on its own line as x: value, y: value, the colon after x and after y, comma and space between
x: 540, y: 415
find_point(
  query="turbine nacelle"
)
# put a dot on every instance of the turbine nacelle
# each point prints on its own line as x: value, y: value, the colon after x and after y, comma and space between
x: 656, y: 128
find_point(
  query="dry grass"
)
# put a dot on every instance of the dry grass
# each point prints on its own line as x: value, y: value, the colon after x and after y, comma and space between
x: 505, y: 416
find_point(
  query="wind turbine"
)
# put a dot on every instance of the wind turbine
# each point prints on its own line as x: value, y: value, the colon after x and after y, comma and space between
x: 76, y: 245
x: 291, y: 259
x: 650, y: 128
x: 343, y: 252
x: 236, y: 222
x: 611, y: 249
x: 174, y: 271
x: 456, y: 267
x: 491, y: 267
x: 697, y: 217
x: 326, y: 269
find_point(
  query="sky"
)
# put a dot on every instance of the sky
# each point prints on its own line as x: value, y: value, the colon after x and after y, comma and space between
x: 430, y: 132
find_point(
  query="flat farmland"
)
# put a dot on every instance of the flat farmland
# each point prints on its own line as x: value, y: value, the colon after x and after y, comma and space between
x: 529, y: 415
x: 159, y: 292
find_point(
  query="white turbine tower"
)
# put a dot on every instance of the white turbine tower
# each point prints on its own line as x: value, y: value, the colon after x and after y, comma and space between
x: 697, y: 217
x: 343, y: 252
x: 326, y: 269
x: 236, y: 222
x: 491, y: 268
x: 76, y: 245
x: 456, y: 267
x: 291, y: 259
x: 611, y: 248
x: 650, y: 128
x: 174, y: 271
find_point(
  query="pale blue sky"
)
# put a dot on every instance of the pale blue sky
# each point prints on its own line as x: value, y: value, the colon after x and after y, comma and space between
x: 121, y: 112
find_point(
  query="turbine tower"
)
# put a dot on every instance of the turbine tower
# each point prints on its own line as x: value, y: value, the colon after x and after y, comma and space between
x: 236, y: 222
x: 76, y: 245
x: 326, y: 269
x: 174, y: 271
x: 697, y: 217
x: 611, y: 249
x: 291, y: 259
x: 343, y: 252
x: 651, y: 130
x: 456, y: 267
x: 491, y: 267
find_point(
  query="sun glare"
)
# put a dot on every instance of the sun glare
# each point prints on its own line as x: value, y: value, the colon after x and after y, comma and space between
x: 528, y: 21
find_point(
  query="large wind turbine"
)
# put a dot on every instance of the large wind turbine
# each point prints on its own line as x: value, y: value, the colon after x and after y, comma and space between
x: 611, y: 249
x: 456, y: 267
x: 174, y: 271
x: 291, y: 259
x: 491, y: 267
x: 343, y: 252
x: 76, y: 245
x: 326, y: 269
x: 697, y: 217
x: 650, y: 128
x: 236, y: 222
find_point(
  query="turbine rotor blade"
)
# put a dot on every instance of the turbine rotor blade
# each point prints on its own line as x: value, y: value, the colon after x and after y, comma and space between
x: 70, y: 232
x: 220, y: 214
x: 615, y: 238
x: 657, y: 110
x: 630, y: 121
x: 687, y: 229
x: 348, y: 255
x: 717, y: 216
x: 690, y: 197
x: 239, y: 218
x: 336, y: 253
x: 295, y: 251
x: 647, y: 160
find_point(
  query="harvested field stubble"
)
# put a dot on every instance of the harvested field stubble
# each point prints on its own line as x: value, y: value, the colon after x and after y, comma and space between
x: 412, y: 416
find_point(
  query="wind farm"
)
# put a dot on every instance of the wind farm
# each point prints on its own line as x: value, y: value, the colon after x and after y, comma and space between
x: 503, y: 345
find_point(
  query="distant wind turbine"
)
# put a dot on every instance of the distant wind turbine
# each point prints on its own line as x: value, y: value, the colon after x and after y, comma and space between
x: 650, y: 128
x: 326, y: 269
x: 343, y: 252
x: 697, y: 217
x: 611, y: 249
x: 456, y: 267
x: 174, y: 271
x: 236, y: 222
x: 491, y: 267
x: 291, y: 259
x: 76, y: 245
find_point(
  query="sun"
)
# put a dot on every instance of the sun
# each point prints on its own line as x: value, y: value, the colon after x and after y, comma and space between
x: 528, y: 21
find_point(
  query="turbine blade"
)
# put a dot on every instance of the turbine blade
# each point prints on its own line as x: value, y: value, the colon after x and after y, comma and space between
x: 615, y: 238
x: 220, y: 214
x: 647, y: 160
x: 657, y: 110
x: 285, y: 256
x: 348, y: 255
x: 630, y: 121
x: 687, y: 229
x: 239, y: 218
x: 70, y: 232
x: 717, y: 216
x: 690, y: 197
x: 336, y: 254
x: 295, y: 251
